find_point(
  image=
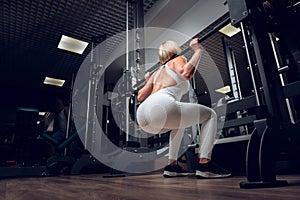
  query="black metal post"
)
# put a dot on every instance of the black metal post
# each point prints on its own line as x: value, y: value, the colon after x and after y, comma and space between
x: 263, y: 146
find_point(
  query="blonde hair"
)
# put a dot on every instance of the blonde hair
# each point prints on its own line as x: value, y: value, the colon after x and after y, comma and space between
x: 167, y: 49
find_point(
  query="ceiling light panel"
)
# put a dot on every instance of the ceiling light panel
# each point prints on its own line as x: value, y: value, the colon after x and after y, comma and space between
x: 71, y: 44
x: 224, y: 90
x: 229, y: 30
x: 54, y: 81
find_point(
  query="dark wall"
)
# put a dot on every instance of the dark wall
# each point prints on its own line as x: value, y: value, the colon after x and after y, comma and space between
x: 14, y: 98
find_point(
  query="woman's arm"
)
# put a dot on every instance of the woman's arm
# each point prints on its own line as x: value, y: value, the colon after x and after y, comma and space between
x: 187, y: 69
x: 145, y: 91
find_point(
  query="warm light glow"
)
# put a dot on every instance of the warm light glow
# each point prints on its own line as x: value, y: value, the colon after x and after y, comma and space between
x: 42, y: 113
x: 224, y: 90
x: 229, y: 30
x: 71, y: 44
x: 54, y: 81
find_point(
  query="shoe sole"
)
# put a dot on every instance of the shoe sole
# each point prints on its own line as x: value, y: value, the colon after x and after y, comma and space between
x: 200, y: 174
x: 169, y: 174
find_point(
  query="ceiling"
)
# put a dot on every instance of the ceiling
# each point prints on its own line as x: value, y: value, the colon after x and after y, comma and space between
x: 30, y: 33
x: 31, y: 30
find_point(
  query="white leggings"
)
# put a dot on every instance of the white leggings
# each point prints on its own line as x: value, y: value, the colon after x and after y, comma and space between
x: 161, y: 112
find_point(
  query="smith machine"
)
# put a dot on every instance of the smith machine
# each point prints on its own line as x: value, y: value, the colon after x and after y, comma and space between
x: 273, y: 54
x: 274, y: 69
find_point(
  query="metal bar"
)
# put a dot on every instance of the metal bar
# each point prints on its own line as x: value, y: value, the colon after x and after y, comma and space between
x: 210, y: 33
x: 239, y: 121
x: 201, y: 39
x: 127, y: 35
x: 283, y: 69
x: 88, y: 113
x: 215, y: 29
x: 250, y: 64
x: 69, y: 113
x: 232, y: 70
x: 238, y: 85
x: 233, y: 139
x: 127, y: 70
x: 276, y: 58
x: 88, y: 110
x: 288, y: 103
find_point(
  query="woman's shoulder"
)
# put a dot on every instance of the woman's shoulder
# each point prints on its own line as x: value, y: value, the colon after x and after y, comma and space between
x: 180, y: 58
x: 178, y: 61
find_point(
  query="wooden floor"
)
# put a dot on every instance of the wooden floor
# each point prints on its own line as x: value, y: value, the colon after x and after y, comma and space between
x: 153, y: 186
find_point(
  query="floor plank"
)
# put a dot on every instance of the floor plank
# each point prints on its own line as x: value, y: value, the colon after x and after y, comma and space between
x: 150, y: 186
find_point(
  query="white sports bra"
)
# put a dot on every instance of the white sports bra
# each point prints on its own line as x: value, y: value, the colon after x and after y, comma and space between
x: 180, y: 88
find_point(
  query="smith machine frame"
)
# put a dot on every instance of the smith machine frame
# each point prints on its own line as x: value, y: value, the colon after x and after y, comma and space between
x: 265, y: 142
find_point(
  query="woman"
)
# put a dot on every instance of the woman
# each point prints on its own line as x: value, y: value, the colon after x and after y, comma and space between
x: 162, y: 111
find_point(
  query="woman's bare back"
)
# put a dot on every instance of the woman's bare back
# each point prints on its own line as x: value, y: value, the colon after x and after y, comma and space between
x: 163, y: 80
